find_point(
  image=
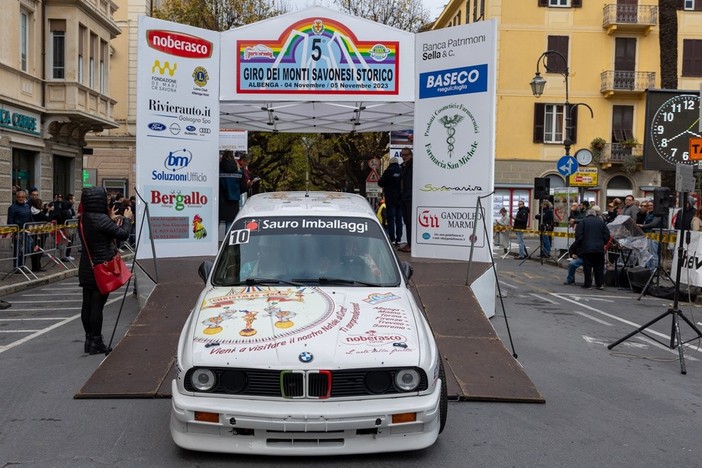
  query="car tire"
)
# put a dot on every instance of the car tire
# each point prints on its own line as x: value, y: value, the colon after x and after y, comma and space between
x: 443, y: 402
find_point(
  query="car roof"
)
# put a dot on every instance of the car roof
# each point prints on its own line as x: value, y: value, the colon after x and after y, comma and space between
x: 305, y: 203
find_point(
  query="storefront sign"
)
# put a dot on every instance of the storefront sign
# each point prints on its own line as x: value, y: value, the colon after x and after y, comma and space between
x: 585, y: 177
x: 19, y: 121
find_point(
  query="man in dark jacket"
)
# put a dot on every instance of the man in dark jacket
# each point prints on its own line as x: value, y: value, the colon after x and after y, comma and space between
x: 545, y: 226
x: 20, y: 213
x: 390, y: 182
x: 683, y: 218
x: 406, y: 196
x: 521, y: 219
x: 591, y: 235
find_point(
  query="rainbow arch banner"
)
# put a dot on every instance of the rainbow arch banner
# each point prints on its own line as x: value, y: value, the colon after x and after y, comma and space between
x: 317, y: 52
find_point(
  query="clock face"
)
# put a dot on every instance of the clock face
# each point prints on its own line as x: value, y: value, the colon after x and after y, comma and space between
x: 584, y: 156
x: 674, y: 123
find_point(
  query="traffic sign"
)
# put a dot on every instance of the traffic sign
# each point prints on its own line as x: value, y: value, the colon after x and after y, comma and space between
x: 567, y: 165
x: 373, y: 176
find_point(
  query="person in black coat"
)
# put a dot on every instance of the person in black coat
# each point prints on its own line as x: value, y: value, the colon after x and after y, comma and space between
x: 521, y: 219
x: 591, y: 235
x: 99, y: 229
x: 231, y: 186
x: 406, y: 196
x: 390, y: 182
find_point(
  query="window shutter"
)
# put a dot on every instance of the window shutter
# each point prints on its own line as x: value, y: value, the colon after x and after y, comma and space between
x: 539, y: 110
x: 576, y: 3
x: 573, y: 130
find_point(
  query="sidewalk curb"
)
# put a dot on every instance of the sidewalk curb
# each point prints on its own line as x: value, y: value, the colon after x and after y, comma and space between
x: 14, y: 288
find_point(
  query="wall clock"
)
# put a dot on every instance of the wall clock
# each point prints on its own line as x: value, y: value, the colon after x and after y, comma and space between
x: 673, y: 123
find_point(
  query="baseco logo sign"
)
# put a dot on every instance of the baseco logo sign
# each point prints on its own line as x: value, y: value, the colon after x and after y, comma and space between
x: 454, y: 128
x: 179, y: 44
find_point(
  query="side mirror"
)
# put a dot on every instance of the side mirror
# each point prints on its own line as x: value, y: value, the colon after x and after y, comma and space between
x: 204, y: 270
x: 407, y: 269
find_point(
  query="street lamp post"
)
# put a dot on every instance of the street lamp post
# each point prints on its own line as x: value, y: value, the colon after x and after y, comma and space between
x: 538, y: 83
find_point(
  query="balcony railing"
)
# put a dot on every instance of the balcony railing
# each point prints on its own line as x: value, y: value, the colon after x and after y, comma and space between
x: 616, y: 81
x: 618, y: 153
x: 630, y: 18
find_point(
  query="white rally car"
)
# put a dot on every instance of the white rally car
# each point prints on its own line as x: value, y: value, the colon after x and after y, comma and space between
x: 306, y: 339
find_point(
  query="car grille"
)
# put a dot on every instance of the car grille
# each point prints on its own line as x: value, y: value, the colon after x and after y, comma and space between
x: 312, y: 384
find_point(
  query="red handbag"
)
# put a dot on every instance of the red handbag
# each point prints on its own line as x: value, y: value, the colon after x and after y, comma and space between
x: 110, y: 275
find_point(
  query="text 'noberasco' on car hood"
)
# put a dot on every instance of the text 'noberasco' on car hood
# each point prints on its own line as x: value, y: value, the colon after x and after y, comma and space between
x: 304, y: 328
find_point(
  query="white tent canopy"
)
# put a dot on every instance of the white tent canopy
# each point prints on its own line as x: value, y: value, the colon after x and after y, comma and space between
x: 317, y: 70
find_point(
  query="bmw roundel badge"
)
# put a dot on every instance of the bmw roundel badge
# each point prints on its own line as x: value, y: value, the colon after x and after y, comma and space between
x: 306, y: 357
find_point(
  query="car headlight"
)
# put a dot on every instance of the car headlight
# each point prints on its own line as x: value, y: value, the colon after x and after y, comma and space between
x: 203, y: 379
x: 407, y: 379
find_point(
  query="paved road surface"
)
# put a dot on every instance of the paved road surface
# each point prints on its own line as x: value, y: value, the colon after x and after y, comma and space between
x: 626, y: 407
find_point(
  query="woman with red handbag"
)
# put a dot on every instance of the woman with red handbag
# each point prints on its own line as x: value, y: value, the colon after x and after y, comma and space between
x: 100, y: 229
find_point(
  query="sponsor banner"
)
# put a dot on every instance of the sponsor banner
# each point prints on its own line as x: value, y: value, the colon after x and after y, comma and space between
x: 317, y: 51
x: 453, y: 142
x: 177, y: 137
x: 450, y: 226
x: 691, y: 270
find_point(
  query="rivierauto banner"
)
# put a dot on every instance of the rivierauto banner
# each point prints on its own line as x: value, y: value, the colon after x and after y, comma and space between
x: 178, y: 137
x: 454, y: 147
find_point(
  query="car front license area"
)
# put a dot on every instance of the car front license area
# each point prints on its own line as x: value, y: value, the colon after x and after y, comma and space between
x: 309, y: 427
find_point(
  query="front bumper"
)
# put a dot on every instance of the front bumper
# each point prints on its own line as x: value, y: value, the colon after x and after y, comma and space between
x: 320, y: 427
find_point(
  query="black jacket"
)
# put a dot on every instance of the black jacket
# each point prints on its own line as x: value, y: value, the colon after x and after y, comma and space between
x: 521, y: 218
x: 406, y: 181
x: 390, y: 182
x: 98, y: 234
x: 591, y: 235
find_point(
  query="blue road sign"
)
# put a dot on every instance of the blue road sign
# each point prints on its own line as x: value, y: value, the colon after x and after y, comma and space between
x: 567, y: 165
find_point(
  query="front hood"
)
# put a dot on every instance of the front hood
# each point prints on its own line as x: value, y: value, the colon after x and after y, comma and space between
x: 276, y: 328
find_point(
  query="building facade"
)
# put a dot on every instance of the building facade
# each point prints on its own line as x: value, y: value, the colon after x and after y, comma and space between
x: 55, y: 72
x: 608, y: 56
x: 112, y: 163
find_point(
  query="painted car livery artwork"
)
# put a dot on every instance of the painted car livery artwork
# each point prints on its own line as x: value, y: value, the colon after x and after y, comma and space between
x: 251, y: 319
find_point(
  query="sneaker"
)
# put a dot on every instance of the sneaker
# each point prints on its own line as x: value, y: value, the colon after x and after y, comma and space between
x: 519, y: 258
x: 569, y: 282
x: 600, y: 288
x: 586, y: 287
x: 71, y: 258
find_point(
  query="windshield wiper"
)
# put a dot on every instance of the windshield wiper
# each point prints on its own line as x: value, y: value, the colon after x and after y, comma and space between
x: 265, y: 281
x: 326, y: 280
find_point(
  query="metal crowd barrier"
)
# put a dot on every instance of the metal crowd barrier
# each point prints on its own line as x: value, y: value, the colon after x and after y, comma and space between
x: 8, y: 254
x: 68, y: 241
x: 41, y: 239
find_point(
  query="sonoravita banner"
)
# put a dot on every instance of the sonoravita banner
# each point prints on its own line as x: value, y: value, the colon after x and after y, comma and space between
x: 177, y: 138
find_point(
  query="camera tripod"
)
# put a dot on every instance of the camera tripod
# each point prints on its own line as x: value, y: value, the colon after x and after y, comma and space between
x: 675, y: 312
x: 542, y: 230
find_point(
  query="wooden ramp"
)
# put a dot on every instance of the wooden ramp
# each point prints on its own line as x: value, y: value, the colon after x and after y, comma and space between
x: 478, y: 366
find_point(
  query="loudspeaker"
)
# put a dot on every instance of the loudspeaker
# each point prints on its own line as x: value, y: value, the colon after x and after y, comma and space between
x: 541, y: 187
x: 661, y: 201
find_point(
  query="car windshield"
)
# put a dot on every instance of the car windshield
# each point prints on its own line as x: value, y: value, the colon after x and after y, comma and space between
x: 306, y: 251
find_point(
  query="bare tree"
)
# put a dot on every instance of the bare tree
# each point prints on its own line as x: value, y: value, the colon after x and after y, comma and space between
x: 216, y: 15
x: 408, y: 15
